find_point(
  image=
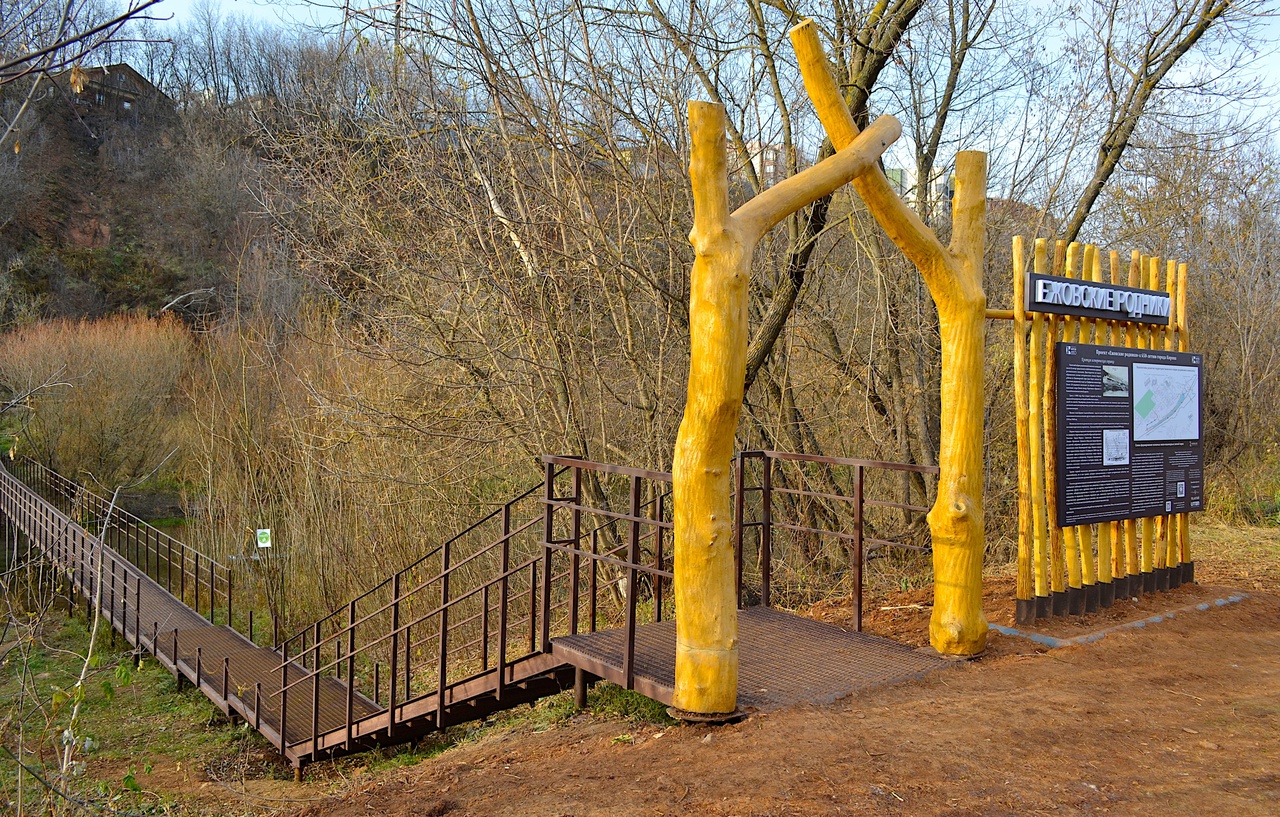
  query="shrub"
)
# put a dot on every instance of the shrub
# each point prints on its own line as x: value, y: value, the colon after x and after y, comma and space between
x: 104, y: 401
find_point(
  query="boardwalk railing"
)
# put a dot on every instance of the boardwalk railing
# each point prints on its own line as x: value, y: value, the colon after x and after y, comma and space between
x: 803, y: 519
x: 587, y: 550
x: 201, y: 583
x: 466, y: 629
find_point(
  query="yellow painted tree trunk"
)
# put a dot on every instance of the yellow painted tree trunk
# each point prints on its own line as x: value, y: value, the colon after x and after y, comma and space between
x: 954, y: 278
x: 957, y: 626
x: 705, y: 594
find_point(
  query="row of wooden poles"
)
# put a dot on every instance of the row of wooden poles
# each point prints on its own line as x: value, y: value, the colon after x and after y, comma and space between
x: 1078, y: 569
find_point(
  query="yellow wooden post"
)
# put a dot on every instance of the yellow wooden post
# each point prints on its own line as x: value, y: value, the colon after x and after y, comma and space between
x: 954, y: 278
x: 1035, y: 436
x: 1184, y: 345
x: 1062, y: 262
x: 1170, y: 521
x: 705, y: 590
x: 1116, y: 528
x: 1132, y: 550
x: 1026, y: 602
x: 1071, y: 547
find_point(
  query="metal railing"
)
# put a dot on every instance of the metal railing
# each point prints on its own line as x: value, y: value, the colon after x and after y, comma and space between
x: 587, y: 549
x: 201, y: 583
x: 799, y: 499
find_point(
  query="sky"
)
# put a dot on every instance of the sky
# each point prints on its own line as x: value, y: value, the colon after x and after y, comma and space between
x: 325, y: 12
x: 267, y: 10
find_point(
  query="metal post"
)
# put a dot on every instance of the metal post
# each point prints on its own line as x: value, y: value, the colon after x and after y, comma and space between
x: 257, y: 706
x: 633, y: 558
x: 177, y: 673
x: 408, y: 649
x: 315, y: 691
x: 395, y: 653
x: 548, y: 535
x: 766, y: 530
x: 738, y: 506
x: 137, y: 630
x: 199, y: 665
x: 593, y: 580
x: 351, y: 667
x: 857, y: 544
x: 211, y: 595
x: 579, y: 688
x: 657, y: 555
x: 502, y: 601
x: 284, y: 693
x: 226, y: 670
x: 533, y: 607
x: 484, y: 628
x: 443, y: 666
x: 575, y: 560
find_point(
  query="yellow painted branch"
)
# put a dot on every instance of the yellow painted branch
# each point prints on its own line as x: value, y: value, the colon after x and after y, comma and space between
x: 757, y: 216
x: 954, y: 277
x: 903, y: 226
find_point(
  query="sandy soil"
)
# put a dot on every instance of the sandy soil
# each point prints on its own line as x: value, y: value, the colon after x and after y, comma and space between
x: 1177, y: 718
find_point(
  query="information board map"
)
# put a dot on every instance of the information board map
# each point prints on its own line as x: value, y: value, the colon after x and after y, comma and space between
x: 1166, y: 403
x: 1129, y: 433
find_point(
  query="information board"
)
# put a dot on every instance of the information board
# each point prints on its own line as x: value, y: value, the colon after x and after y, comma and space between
x: 1129, y: 433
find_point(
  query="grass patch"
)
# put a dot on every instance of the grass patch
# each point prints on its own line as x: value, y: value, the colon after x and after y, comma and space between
x: 132, y: 721
x: 168, y: 522
x: 614, y: 701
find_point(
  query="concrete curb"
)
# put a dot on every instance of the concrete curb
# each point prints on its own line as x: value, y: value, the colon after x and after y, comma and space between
x: 1088, y: 638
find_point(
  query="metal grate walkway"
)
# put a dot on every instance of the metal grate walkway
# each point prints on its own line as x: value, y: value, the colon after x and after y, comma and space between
x: 784, y: 659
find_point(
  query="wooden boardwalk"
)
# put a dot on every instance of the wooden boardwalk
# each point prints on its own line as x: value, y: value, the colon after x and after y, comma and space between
x: 241, y: 678
x: 485, y: 620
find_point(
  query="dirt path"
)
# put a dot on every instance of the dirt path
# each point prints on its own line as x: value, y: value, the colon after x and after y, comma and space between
x: 1178, y: 718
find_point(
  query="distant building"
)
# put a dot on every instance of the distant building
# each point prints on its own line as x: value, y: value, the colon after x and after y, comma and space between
x: 113, y: 89
x: 769, y: 161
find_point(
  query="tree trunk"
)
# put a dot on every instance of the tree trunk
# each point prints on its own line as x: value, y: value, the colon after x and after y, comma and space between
x: 705, y: 591
x: 954, y: 278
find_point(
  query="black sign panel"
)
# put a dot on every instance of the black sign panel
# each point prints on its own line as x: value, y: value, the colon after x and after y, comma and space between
x: 1129, y: 433
x: 1090, y: 299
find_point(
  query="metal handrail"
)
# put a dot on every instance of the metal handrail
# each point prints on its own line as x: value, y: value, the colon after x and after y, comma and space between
x: 496, y: 512
x: 862, y: 545
x: 879, y: 465
x: 124, y: 523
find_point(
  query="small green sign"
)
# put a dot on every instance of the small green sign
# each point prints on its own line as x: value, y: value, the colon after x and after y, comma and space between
x: 264, y: 537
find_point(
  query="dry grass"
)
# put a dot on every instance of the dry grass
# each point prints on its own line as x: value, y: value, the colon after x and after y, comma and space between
x: 105, y: 401
x: 1247, y: 557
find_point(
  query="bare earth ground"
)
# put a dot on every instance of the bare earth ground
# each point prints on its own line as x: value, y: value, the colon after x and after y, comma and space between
x: 1182, y: 717
x: 1176, y: 718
